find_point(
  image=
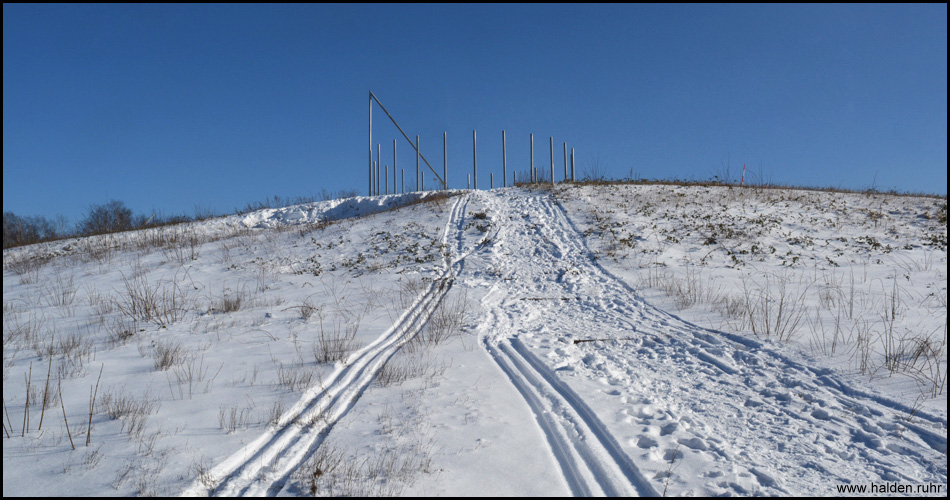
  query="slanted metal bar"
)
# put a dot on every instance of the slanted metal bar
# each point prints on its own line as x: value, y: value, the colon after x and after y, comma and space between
x: 373, y: 96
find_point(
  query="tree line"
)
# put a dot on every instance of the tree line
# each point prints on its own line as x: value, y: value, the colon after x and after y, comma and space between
x: 114, y: 217
x: 110, y: 217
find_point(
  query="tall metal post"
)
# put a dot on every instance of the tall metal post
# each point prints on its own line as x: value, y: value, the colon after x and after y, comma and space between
x: 418, y: 179
x: 386, y: 179
x: 504, y: 161
x: 474, y: 161
x: 532, y: 176
x: 445, y: 164
x: 565, y: 162
x: 403, y: 181
x: 573, y: 179
x: 394, y: 166
x: 552, y: 161
x: 371, y: 143
x: 491, y: 180
x: 379, y: 164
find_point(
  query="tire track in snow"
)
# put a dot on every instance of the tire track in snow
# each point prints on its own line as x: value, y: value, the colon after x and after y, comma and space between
x: 263, y: 467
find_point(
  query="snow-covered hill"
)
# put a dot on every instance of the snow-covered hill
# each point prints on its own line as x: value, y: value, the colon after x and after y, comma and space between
x: 586, y: 340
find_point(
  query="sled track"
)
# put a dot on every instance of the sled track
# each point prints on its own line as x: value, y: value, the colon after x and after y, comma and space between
x: 264, y: 467
x: 592, y: 461
x: 531, y: 302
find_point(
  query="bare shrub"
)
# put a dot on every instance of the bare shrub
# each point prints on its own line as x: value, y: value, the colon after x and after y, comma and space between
x: 933, y: 369
x: 191, y: 373
x: 166, y: 355
x: 202, y: 471
x: 231, y: 300
x: 690, y: 290
x: 20, y: 329
x: 184, y: 247
x: 863, y: 348
x: 163, y: 302
x: 445, y: 322
x: 275, y: 412
x: 295, y: 378
x: 119, y: 330
x: 324, y: 463
x: 232, y: 418
x: 773, y: 310
x: 409, y: 290
x: 28, y: 268
x: 332, y: 471
x: 61, y: 291
x: 307, y: 309
x: 402, y: 368
x: 133, y: 411
x: 336, y: 339
x: 224, y: 247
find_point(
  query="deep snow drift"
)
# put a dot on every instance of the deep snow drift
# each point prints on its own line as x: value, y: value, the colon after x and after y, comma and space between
x: 586, y: 340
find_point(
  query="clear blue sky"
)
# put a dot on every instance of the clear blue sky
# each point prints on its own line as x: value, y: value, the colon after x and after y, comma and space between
x: 172, y: 107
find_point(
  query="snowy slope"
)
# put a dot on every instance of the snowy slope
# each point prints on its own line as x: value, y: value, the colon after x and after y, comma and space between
x: 506, y: 342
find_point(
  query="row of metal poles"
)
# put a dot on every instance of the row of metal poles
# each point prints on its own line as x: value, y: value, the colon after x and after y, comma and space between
x: 379, y: 177
x: 374, y: 165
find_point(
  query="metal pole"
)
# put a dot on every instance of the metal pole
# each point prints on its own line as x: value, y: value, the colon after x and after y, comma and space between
x: 371, y: 143
x: 565, y: 162
x: 394, y: 166
x: 552, y: 161
x: 474, y: 161
x: 504, y: 161
x: 573, y: 179
x: 418, y: 185
x: 532, y: 176
x: 386, y: 177
x: 379, y: 161
x: 469, y: 178
x: 491, y: 180
x: 403, y: 181
x: 445, y: 164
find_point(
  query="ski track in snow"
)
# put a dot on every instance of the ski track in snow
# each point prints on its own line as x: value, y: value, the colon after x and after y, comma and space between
x: 788, y: 419
x: 264, y: 467
x: 664, y: 390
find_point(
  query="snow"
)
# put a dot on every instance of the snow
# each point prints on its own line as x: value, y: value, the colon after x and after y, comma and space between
x: 635, y: 340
